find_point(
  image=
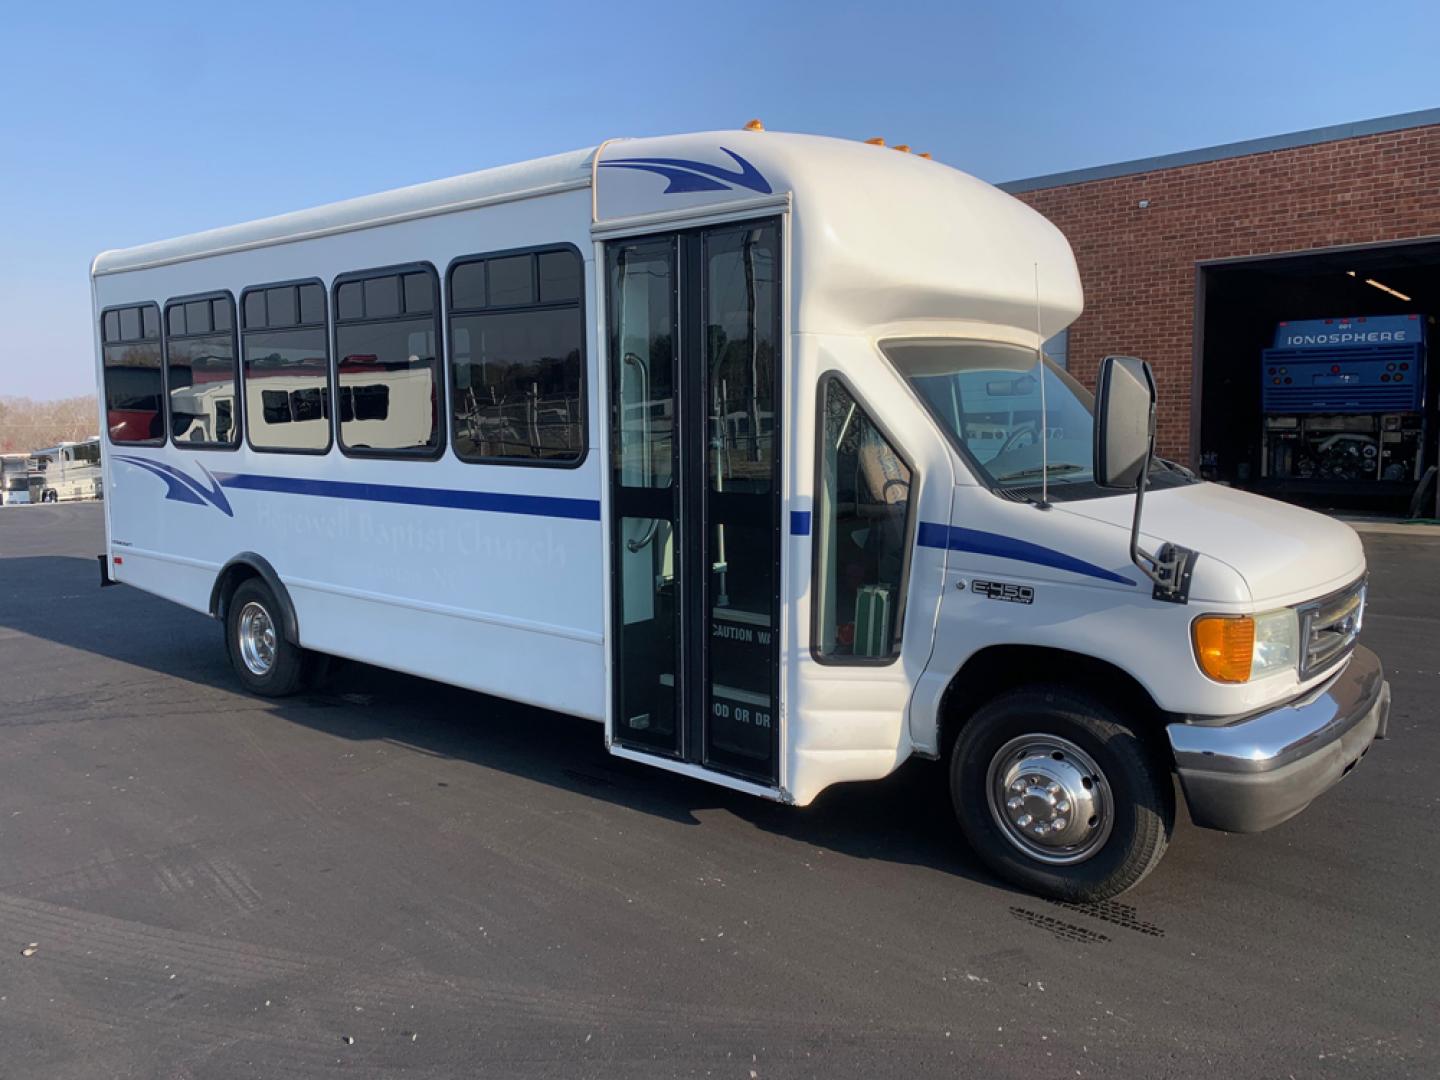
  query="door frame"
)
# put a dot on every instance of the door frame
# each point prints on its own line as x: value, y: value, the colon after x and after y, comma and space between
x: 693, y: 619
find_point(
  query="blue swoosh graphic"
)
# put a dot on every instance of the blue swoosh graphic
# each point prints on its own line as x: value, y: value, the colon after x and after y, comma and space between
x: 934, y: 534
x: 686, y: 175
x: 180, y: 486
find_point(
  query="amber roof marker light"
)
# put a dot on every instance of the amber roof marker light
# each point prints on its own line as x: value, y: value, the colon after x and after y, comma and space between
x: 904, y: 148
x: 754, y: 125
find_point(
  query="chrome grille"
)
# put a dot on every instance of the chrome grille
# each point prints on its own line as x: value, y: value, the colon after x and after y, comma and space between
x: 1329, y: 627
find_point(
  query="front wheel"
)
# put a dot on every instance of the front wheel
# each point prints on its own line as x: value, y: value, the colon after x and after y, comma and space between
x: 1059, y: 796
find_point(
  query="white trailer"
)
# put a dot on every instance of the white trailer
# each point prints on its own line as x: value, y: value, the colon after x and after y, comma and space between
x: 739, y: 444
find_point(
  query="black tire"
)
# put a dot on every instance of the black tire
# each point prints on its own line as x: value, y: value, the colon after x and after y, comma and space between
x: 1141, y: 796
x: 291, y: 666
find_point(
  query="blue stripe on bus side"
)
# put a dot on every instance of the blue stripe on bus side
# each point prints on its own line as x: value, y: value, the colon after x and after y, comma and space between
x: 494, y: 502
x: 934, y: 534
x: 930, y: 534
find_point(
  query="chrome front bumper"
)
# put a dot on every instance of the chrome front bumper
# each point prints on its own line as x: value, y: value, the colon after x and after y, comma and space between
x: 1256, y: 772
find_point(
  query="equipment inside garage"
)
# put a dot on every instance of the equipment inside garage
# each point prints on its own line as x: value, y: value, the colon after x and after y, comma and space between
x: 1319, y: 375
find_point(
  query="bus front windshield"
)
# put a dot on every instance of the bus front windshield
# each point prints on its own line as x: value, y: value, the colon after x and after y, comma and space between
x: 987, y: 396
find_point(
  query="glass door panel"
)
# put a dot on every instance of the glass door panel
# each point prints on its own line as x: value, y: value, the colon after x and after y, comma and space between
x: 644, y: 493
x: 742, y: 336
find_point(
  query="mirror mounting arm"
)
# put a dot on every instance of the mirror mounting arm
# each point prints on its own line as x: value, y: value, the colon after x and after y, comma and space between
x: 1170, y: 568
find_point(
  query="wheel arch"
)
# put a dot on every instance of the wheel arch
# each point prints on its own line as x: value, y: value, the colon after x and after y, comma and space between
x: 998, y: 668
x: 241, y: 568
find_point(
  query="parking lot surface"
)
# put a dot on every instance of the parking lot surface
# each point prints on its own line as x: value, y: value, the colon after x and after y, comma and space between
x: 391, y: 877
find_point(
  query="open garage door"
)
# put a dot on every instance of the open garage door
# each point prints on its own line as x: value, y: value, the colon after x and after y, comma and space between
x: 1350, y: 422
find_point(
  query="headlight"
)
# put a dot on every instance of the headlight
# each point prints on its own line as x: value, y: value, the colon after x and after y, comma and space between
x: 1277, y: 643
x: 1238, y: 648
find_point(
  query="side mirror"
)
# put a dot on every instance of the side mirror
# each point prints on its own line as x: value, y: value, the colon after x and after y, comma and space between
x: 1124, y: 445
x: 1124, y: 422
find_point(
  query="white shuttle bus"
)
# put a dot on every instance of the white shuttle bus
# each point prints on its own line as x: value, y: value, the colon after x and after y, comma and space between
x: 739, y: 444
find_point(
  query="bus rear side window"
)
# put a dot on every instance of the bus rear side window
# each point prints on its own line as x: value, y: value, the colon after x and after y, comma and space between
x: 201, y: 372
x: 134, y: 384
x: 387, y: 345
x: 862, y: 534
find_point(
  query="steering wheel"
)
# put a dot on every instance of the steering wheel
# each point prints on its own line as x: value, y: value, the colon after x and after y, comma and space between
x: 1009, y: 444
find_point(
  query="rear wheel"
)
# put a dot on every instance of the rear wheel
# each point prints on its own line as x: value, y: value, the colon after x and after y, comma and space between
x: 264, y: 661
x: 1059, y: 796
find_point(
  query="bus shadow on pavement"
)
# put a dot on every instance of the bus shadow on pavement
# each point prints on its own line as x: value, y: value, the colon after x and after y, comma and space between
x: 903, y: 819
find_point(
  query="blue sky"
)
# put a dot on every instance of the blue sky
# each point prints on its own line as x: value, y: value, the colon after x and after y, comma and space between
x: 127, y: 123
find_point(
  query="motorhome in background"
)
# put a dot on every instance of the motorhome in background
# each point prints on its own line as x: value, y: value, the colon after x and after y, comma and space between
x: 14, y: 479
x: 742, y: 445
x: 66, y: 472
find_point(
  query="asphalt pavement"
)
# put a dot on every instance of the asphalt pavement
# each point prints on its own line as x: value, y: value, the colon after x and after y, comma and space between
x: 389, y: 877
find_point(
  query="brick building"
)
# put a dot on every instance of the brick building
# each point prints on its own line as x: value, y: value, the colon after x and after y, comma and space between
x: 1191, y: 260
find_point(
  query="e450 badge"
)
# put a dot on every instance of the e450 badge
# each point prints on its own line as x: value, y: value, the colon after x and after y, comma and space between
x: 1004, y: 590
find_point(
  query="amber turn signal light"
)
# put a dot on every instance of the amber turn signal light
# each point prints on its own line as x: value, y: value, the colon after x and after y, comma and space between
x: 1225, y: 646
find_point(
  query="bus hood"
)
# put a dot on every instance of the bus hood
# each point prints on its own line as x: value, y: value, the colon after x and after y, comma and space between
x: 1284, y: 554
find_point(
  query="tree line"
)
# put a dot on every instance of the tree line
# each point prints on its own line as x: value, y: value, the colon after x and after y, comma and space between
x: 26, y: 424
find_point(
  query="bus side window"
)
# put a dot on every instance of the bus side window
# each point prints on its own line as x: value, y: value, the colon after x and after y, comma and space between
x: 201, y: 372
x: 861, y: 535
x: 134, y: 385
x: 517, y: 357
x: 387, y: 344
x: 286, y: 360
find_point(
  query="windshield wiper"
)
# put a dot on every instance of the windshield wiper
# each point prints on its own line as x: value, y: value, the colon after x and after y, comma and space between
x: 1049, y: 470
x: 1174, y: 467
